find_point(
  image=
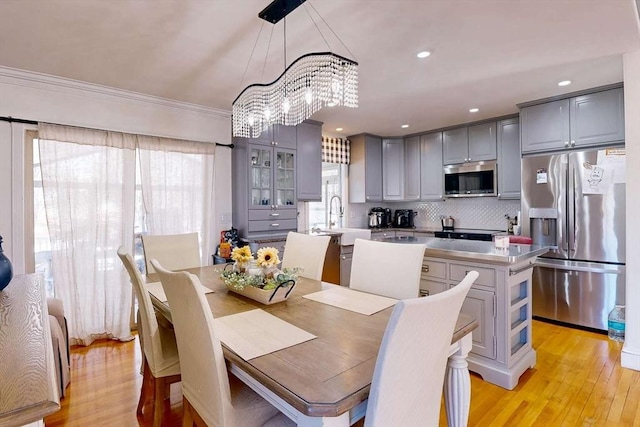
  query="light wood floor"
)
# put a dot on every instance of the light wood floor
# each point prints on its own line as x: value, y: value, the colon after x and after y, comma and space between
x: 577, y: 381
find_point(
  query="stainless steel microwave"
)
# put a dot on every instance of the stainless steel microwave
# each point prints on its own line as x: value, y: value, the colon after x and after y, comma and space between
x: 471, y: 179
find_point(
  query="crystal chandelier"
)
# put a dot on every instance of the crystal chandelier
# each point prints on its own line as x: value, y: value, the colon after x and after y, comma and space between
x: 313, y: 81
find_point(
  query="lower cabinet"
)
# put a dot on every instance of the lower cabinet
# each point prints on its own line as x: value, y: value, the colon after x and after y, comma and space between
x: 346, y: 255
x: 500, y: 300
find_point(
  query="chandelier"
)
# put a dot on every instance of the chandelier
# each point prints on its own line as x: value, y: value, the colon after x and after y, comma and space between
x: 308, y: 84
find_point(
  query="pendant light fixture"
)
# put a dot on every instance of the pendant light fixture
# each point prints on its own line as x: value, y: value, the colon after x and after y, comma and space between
x: 309, y: 83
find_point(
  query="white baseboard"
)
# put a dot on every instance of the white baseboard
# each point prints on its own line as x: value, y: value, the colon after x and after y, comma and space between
x: 630, y: 359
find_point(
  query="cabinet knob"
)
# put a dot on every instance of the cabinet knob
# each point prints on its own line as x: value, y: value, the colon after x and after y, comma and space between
x: 469, y: 159
x: 275, y: 224
x: 573, y: 143
x: 566, y: 143
x: 343, y: 257
x: 425, y: 268
x: 274, y: 214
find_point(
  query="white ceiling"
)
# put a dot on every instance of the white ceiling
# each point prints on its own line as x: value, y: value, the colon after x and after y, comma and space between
x: 489, y: 54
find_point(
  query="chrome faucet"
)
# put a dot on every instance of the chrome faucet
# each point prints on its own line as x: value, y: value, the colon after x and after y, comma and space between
x: 340, y: 210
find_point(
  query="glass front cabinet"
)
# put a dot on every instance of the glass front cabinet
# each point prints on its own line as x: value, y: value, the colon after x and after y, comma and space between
x: 272, y: 174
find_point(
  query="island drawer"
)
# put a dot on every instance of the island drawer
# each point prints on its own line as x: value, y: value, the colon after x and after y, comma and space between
x: 486, y: 277
x: 435, y: 269
x: 270, y: 215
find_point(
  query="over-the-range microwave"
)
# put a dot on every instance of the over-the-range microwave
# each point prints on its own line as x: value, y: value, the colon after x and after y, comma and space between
x: 471, y: 179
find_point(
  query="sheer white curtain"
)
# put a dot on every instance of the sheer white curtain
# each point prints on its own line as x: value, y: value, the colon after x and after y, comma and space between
x: 177, y: 188
x: 88, y: 179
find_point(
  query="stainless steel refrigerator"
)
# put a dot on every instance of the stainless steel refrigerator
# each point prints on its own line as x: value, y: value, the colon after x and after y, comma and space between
x: 575, y: 201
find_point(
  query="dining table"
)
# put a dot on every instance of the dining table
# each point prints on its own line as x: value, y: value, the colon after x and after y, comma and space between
x: 324, y: 381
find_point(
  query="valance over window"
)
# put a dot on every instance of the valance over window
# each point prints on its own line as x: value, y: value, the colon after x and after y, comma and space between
x: 336, y: 150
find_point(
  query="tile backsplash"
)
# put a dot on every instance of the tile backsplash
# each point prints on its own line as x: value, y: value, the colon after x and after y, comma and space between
x: 484, y: 213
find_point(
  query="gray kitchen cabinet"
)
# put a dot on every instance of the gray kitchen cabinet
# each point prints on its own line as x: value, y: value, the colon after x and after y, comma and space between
x: 469, y: 144
x: 500, y: 300
x: 346, y: 257
x: 412, y: 178
x: 263, y: 189
x: 578, y: 121
x: 392, y: 169
x: 365, y: 169
x: 431, y: 174
x: 455, y: 144
x: 309, y: 170
x: 276, y: 135
x: 482, y: 142
x: 509, y: 164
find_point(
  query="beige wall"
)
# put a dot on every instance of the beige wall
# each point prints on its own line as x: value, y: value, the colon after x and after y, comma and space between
x: 44, y: 98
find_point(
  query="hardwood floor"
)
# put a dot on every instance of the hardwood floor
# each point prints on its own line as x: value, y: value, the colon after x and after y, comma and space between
x: 577, y: 381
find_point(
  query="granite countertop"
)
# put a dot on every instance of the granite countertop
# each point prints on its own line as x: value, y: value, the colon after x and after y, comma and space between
x: 473, y: 249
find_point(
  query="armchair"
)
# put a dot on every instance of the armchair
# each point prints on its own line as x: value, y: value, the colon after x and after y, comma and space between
x: 60, y: 341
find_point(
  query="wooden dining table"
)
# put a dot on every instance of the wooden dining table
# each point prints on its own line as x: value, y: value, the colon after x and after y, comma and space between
x: 325, y: 381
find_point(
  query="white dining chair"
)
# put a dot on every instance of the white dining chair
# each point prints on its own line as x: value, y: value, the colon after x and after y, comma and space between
x: 161, y: 365
x: 307, y: 252
x: 388, y: 269
x: 210, y: 396
x: 174, y: 251
x: 408, y: 378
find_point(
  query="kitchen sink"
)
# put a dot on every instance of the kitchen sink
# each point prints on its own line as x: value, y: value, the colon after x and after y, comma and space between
x: 349, y: 235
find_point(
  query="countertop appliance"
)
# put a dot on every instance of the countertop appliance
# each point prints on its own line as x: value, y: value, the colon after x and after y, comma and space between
x: 379, y: 217
x: 575, y: 202
x: 461, y: 233
x: 471, y: 180
x: 447, y: 223
x: 403, y: 218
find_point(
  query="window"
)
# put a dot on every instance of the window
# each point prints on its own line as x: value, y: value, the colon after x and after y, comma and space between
x: 333, y: 183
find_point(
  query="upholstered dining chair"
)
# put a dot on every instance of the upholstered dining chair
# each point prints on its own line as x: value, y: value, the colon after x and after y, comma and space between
x: 174, y: 251
x: 307, y: 252
x: 408, y: 378
x: 161, y: 365
x: 388, y: 269
x: 211, y: 397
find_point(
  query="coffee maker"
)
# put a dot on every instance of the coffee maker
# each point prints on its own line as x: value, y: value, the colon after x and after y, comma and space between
x: 404, y: 218
x: 379, y: 218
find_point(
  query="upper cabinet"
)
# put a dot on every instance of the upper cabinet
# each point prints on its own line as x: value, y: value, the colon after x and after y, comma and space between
x: 509, y: 165
x: 277, y: 136
x: 309, y: 170
x: 431, y: 174
x: 393, y: 169
x: 412, y: 179
x: 469, y: 144
x: 365, y: 169
x: 584, y: 120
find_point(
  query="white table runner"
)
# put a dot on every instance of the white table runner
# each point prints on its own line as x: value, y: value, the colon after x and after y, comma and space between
x: 255, y: 333
x: 348, y: 299
x: 155, y: 289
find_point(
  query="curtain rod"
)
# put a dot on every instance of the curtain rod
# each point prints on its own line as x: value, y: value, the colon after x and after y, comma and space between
x: 33, y: 122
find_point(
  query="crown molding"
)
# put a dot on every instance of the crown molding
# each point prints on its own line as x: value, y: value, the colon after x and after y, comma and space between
x: 32, y: 79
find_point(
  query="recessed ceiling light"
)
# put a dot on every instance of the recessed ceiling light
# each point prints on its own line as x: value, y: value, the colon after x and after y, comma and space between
x: 423, y: 54
x: 404, y: 126
x: 564, y: 83
x: 339, y: 129
x: 474, y: 110
x: 331, y: 104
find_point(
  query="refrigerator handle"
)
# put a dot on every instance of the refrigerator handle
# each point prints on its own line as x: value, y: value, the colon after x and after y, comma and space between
x: 571, y: 228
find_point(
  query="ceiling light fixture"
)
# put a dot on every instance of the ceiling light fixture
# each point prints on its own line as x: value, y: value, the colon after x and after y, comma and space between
x: 474, y: 110
x: 338, y: 129
x: 309, y: 83
x: 564, y: 83
x: 423, y: 54
x: 404, y: 126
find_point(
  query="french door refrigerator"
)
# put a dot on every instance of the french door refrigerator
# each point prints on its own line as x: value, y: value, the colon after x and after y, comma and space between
x: 575, y: 202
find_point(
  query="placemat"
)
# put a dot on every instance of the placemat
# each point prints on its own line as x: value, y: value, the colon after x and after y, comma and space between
x: 348, y: 299
x: 255, y: 333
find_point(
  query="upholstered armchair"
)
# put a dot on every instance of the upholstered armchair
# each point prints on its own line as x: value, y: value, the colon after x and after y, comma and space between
x: 60, y: 340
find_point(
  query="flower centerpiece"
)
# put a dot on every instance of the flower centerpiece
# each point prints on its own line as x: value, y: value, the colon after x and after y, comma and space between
x: 259, y: 279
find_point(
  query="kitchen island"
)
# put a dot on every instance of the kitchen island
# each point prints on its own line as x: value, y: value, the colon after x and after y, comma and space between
x: 500, y: 300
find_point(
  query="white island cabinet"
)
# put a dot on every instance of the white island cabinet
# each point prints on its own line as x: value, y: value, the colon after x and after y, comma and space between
x: 500, y: 300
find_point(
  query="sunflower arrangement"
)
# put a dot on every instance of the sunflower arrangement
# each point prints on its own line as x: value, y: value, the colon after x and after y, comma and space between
x: 268, y: 257
x: 242, y: 254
